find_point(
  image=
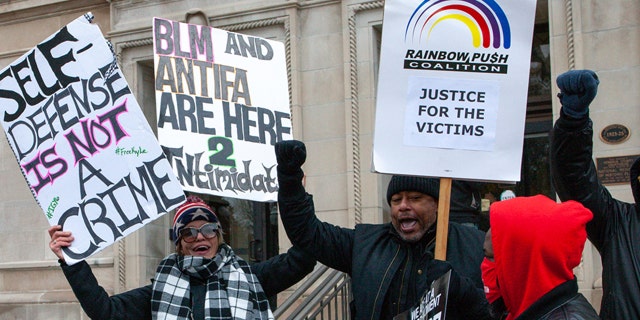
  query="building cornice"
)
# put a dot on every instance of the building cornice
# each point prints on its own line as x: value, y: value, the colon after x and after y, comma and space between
x: 14, y: 12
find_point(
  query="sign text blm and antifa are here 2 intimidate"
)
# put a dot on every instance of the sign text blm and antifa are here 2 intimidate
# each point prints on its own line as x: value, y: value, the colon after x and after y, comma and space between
x: 222, y: 103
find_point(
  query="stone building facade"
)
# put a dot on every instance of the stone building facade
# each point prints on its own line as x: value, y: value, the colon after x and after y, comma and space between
x: 332, y: 57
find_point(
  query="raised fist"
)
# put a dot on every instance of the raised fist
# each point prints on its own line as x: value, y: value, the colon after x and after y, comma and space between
x: 577, y: 89
x: 291, y: 155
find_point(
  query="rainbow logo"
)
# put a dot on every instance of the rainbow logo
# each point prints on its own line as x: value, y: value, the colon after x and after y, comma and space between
x: 484, y: 18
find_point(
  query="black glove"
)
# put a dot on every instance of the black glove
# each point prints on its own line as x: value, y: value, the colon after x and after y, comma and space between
x: 290, y: 155
x: 577, y: 89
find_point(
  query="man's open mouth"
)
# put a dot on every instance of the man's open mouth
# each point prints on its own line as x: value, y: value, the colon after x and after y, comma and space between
x: 408, y: 225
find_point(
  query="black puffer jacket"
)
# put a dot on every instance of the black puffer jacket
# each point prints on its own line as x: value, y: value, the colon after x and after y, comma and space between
x: 615, y: 228
x: 374, y: 257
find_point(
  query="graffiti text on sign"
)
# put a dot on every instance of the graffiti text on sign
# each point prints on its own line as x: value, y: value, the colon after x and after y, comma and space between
x: 194, y: 170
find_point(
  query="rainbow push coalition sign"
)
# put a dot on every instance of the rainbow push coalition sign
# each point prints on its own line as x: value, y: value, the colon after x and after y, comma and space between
x: 486, y: 21
x: 452, y: 88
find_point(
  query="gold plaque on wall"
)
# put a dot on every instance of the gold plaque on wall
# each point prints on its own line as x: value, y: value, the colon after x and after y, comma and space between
x: 614, y: 134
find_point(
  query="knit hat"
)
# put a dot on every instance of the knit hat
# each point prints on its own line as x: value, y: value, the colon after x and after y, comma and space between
x: 506, y: 195
x: 193, y: 209
x: 430, y: 186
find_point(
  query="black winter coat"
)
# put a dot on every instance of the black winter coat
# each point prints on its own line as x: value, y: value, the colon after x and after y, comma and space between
x: 562, y: 303
x: 373, y: 254
x: 275, y: 275
x: 615, y: 228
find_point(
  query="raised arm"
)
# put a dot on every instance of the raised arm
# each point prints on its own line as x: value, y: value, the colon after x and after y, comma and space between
x: 571, y: 149
x: 329, y: 244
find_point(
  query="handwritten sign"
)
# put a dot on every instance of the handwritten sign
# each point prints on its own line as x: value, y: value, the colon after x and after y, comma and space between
x: 452, y: 89
x: 222, y: 101
x: 83, y: 145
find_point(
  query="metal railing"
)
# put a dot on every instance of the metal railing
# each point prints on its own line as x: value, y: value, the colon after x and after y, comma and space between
x: 328, y: 300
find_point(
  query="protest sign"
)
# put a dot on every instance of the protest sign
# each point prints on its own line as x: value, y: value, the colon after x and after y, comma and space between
x: 222, y: 102
x: 82, y: 143
x: 452, y: 89
x: 432, y: 304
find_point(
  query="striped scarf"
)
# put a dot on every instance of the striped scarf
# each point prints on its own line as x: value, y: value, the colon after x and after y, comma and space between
x: 232, y: 290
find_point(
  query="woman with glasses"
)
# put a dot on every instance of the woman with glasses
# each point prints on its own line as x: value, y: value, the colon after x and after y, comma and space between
x: 203, y: 279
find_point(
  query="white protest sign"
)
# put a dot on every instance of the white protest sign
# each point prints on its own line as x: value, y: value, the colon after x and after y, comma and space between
x: 83, y: 144
x: 452, y: 90
x: 223, y: 102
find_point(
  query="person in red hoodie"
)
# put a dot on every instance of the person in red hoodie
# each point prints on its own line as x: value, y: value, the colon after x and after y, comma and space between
x: 536, y: 244
x: 489, y: 279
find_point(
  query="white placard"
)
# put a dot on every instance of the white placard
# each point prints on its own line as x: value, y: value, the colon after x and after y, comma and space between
x: 223, y: 102
x: 452, y: 89
x: 83, y: 145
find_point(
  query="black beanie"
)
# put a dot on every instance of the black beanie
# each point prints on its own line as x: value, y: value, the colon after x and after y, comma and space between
x: 430, y: 186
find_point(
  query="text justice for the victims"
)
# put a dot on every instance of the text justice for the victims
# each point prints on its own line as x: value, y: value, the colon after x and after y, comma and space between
x: 468, y: 100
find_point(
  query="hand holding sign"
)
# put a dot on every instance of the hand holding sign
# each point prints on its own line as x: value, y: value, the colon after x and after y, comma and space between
x: 59, y: 239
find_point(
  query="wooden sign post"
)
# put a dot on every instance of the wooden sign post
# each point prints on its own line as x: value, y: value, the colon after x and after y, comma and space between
x: 442, y: 228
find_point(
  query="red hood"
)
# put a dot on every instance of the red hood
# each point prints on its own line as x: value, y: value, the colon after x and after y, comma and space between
x: 491, y: 288
x: 537, y: 243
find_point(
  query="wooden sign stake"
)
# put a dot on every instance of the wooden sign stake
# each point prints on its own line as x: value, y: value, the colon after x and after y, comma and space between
x: 442, y: 228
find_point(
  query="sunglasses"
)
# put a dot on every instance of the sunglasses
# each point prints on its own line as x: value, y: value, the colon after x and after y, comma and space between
x: 208, y: 230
